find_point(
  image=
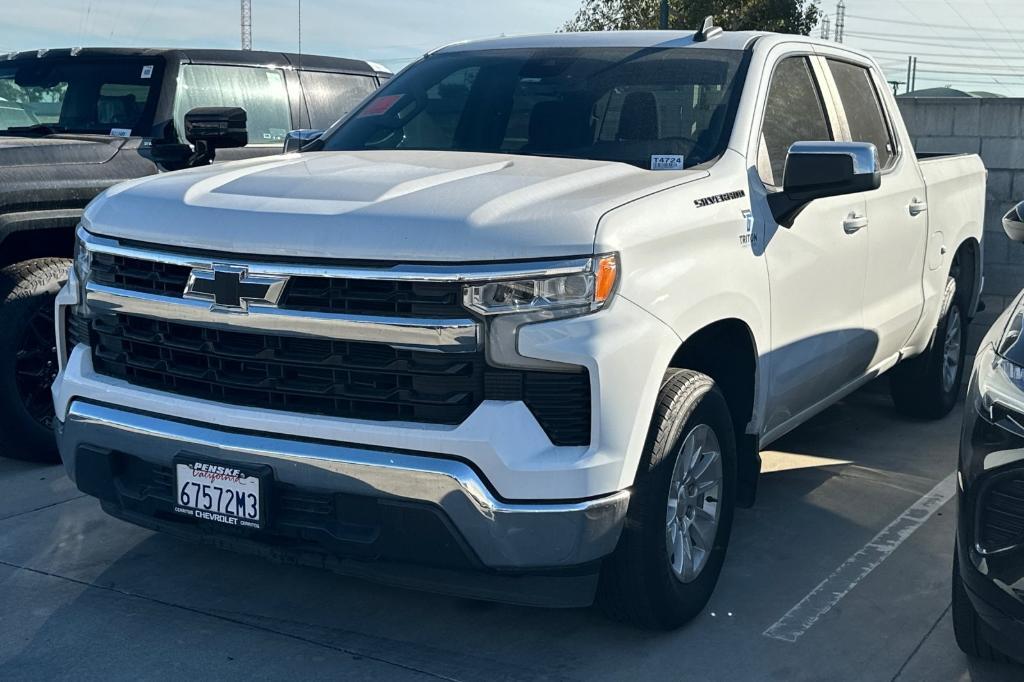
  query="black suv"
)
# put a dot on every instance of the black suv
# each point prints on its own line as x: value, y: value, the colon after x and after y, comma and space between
x: 73, y: 122
x: 988, y: 572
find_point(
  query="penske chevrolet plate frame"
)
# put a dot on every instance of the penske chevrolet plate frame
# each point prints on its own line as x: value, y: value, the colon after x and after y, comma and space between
x: 222, y: 492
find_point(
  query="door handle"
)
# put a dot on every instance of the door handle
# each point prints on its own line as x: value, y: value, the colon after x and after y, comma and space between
x: 917, y: 207
x: 854, y: 222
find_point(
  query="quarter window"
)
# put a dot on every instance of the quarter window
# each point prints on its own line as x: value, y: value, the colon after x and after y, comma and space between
x: 260, y: 91
x: 863, y: 108
x: 793, y: 113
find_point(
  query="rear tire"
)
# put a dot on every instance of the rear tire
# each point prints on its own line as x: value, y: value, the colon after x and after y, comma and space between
x: 670, y: 553
x: 927, y: 386
x: 28, y: 357
x: 967, y: 626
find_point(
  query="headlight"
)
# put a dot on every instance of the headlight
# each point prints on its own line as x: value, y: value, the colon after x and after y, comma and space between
x: 1000, y: 367
x: 509, y: 304
x: 572, y: 294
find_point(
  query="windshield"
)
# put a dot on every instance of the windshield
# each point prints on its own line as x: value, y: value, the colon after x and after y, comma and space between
x: 79, y: 95
x: 613, y: 104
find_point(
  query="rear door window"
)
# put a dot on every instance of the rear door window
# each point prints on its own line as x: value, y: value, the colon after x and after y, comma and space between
x: 260, y: 91
x: 330, y: 96
x: 794, y: 112
x: 863, y: 108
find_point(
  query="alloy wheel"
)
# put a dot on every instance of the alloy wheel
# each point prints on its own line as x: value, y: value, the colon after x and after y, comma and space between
x: 693, y: 509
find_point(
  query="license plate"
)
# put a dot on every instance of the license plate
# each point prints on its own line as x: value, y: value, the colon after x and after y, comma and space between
x: 220, y: 493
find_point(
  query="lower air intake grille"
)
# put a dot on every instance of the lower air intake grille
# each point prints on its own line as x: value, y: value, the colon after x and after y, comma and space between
x: 1001, y: 512
x: 336, y: 378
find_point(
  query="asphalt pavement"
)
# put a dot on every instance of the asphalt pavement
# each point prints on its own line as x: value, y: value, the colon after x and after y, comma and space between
x: 840, y: 572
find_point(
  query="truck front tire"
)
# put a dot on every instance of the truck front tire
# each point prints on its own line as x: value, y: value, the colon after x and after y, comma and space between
x: 677, y: 529
x: 28, y: 357
x: 927, y: 386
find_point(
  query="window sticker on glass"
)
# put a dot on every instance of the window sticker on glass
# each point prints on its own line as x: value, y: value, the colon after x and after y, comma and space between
x: 666, y: 162
x: 121, y: 132
x: 380, y: 105
x: 147, y: 71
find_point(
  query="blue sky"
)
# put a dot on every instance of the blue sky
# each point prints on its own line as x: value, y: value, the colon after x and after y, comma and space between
x: 969, y: 44
x: 388, y: 31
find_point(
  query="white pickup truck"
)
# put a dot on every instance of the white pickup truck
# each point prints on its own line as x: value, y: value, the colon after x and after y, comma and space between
x: 520, y: 324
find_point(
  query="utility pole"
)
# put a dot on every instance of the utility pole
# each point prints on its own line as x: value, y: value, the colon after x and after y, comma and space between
x: 840, y: 20
x: 895, y: 86
x: 826, y: 27
x: 300, y: 26
x: 910, y: 71
x: 246, y: 24
x: 663, y: 16
x: 913, y: 76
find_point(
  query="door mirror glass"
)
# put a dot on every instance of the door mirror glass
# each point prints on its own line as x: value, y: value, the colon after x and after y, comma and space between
x: 1013, y: 223
x: 815, y: 170
x: 295, y: 140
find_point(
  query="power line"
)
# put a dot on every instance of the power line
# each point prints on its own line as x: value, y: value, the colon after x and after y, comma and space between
x: 974, y: 73
x: 964, y: 19
x: 890, y: 36
x: 954, y: 27
x: 941, y: 55
x: 1008, y: 32
x: 912, y: 13
x: 976, y: 65
x: 936, y: 79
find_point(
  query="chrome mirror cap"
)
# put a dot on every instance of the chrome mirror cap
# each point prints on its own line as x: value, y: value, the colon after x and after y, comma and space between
x: 864, y: 155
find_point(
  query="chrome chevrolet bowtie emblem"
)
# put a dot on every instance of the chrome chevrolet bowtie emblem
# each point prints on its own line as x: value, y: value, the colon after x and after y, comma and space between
x: 232, y: 288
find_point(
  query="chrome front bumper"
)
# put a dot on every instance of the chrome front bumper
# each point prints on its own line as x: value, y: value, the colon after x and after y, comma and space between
x: 502, y: 534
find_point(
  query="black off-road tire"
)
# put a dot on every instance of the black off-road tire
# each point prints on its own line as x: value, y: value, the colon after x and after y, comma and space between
x: 916, y: 385
x: 28, y: 357
x: 967, y: 627
x: 637, y: 581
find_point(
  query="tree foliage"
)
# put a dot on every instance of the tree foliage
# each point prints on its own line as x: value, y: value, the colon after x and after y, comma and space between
x: 782, y: 16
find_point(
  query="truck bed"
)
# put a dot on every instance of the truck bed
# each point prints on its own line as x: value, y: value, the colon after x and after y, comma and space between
x: 956, y: 205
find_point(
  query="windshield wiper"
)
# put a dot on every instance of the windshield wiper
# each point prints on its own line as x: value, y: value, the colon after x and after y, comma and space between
x: 41, y: 129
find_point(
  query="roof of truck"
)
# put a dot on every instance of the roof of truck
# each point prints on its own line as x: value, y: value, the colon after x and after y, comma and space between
x: 726, y: 40
x: 206, y: 56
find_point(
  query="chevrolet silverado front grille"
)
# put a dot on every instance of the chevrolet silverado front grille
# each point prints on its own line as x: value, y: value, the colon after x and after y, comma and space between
x: 135, y: 274
x: 393, y: 298
x: 318, y: 376
x: 329, y: 377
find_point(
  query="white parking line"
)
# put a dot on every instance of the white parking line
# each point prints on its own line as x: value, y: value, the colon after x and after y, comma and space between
x: 832, y: 589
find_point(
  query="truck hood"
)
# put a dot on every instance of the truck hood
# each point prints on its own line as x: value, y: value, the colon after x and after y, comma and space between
x: 411, y: 206
x: 53, y: 150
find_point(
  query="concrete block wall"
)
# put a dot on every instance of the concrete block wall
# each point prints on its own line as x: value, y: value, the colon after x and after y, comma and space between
x: 994, y: 128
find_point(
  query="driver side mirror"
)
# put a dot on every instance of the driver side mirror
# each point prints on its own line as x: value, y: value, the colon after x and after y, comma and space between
x: 295, y: 140
x: 1013, y: 223
x: 816, y: 170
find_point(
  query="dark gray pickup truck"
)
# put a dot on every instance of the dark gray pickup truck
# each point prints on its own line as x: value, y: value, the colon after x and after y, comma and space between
x: 74, y: 122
